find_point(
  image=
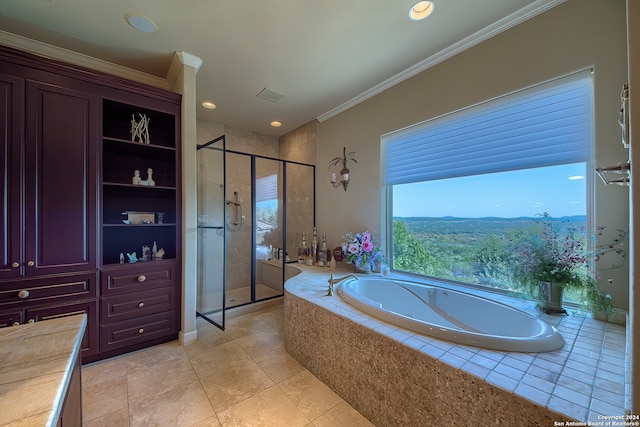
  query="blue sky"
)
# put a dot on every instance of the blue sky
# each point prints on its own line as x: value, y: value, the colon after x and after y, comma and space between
x: 558, y: 190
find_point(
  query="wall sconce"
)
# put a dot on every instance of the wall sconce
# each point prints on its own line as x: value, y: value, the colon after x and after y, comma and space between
x: 344, y: 172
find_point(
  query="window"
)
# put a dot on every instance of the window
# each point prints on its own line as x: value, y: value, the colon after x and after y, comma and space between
x: 463, y: 188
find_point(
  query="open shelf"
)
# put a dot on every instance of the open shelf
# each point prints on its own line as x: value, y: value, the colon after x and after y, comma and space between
x: 120, y: 158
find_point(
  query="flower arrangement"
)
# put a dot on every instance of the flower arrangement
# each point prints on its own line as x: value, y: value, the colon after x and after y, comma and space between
x: 550, y: 261
x: 552, y: 257
x: 362, y: 249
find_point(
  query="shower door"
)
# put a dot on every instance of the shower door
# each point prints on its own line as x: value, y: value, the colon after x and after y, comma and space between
x: 211, y: 231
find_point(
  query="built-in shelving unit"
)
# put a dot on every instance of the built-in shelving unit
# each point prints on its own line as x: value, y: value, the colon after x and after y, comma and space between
x: 120, y: 158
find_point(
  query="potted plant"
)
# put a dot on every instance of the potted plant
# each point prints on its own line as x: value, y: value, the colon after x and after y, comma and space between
x: 548, y: 262
x: 362, y: 250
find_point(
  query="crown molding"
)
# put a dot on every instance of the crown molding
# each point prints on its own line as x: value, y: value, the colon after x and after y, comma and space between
x: 59, y: 54
x: 527, y: 12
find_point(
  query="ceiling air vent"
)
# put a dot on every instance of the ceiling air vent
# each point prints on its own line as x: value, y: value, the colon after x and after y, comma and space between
x: 269, y: 95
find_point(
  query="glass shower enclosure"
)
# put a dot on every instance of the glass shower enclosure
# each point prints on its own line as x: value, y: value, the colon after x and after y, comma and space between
x: 252, y: 211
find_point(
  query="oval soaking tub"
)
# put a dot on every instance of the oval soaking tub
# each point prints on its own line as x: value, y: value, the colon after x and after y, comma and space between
x: 451, y: 315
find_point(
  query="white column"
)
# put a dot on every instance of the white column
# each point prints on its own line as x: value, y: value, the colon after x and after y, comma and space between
x: 182, y: 79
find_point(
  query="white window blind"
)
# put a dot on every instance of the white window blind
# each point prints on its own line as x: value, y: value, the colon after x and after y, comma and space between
x: 545, y: 125
x: 267, y: 188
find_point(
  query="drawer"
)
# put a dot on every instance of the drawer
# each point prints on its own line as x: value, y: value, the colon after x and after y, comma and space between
x: 138, y: 330
x: 60, y: 289
x: 137, y: 277
x: 127, y: 306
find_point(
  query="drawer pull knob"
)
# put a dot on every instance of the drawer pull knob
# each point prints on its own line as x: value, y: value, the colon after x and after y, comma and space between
x: 31, y: 321
x: 142, y: 278
x: 16, y: 323
x: 23, y: 294
x: 31, y: 263
x: 141, y: 305
x: 141, y: 330
x: 15, y: 264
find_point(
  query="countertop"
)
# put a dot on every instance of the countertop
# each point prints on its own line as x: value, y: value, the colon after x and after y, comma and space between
x: 36, y: 361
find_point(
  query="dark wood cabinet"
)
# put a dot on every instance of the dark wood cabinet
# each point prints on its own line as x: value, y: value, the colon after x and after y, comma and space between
x: 49, y: 159
x: 60, y: 179
x: 71, y: 206
x: 140, y: 301
x: 11, y: 156
x: 71, y: 412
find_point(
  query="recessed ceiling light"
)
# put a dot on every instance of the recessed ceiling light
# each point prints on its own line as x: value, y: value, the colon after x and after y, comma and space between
x: 209, y: 105
x: 141, y: 23
x: 420, y: 10
x: 276, y: 124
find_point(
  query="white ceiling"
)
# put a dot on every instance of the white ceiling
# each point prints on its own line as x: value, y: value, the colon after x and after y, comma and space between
x: 322, y: 55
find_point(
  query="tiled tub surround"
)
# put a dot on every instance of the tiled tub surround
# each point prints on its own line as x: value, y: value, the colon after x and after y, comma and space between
x: 396, y: 377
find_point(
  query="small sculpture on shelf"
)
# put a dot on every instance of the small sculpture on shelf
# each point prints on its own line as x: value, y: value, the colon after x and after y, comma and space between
x: 140, y: 130
x: 160, y: 254
x: 150, y: 180
x: 132, y: 257
x: 146, y: 253
x: 160, y: 217
x: 136, y: 180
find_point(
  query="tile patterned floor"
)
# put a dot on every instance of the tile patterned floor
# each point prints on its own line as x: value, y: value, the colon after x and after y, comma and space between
x: 240, y: 377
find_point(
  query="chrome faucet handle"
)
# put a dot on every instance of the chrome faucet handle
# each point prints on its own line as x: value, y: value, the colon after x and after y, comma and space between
x: 333, y: 281
x: 330, y: 292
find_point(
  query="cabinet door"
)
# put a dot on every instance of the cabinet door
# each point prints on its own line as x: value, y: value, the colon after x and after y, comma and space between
x: 11, y: 143
x: 61, y: 137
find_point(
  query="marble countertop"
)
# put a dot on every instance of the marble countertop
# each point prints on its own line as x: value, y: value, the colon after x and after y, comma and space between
x: 36, y: 361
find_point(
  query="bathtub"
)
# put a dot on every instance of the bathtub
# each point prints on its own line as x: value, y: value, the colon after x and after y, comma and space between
x: 450, y: 315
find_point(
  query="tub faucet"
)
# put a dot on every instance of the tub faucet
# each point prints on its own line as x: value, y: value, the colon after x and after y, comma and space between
x: 333, y: 281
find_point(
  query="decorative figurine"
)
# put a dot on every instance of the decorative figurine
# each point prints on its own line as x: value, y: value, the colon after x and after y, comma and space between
x: 140, y: 129
x: 160, y: 254
x: 160, y: 217
x: 154, y: 250
x: 121, y: 258
x: 145, y: 253
x: 136, y: 180
x: 132, y: 257
x: 150, y: 180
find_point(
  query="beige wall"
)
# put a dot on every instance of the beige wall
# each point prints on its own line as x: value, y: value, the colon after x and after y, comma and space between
x: 300, y: 145
x: 575, y: 35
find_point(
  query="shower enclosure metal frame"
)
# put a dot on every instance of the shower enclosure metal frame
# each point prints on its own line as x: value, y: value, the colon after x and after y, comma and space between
x: 253, y: 177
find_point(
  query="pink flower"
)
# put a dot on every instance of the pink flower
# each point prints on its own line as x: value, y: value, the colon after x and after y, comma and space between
x: 367, y: 246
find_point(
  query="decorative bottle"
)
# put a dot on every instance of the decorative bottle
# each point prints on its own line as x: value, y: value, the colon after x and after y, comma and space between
x: 303, y: 250
x: 314, y: 247
x: 322, y: 253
